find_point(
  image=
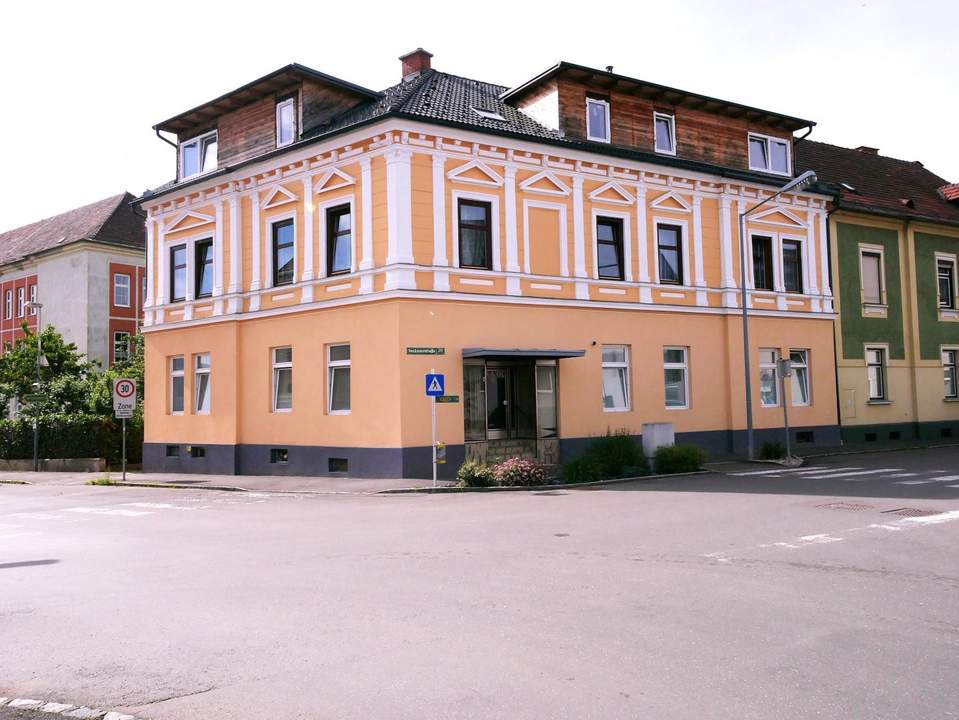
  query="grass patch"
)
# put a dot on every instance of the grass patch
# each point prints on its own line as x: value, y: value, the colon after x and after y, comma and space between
x: 102, y: 480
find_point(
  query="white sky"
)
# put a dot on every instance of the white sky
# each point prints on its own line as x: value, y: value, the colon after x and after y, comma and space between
x: 84, y: 82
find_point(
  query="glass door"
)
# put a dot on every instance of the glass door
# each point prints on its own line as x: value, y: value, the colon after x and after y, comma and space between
x: 498, y: 381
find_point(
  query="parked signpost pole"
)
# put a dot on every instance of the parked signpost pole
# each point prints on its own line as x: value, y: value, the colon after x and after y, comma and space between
x: 34, y: 306
x: 785, y: 370
x: 124, y: 402
x: 435, y: 387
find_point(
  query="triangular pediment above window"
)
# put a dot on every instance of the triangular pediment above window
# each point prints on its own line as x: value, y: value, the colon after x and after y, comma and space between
x: 476, y: 172
x: 778, y: 216
x: 612, y: 192
x: 188, y: 219
x: 671, y: 201
x: 546, y: 183
x: 333, y: 180
x: 278, y: 196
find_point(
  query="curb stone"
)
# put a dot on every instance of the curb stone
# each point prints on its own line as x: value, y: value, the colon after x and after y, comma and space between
x: 536, y: 488
x: 65, y: 710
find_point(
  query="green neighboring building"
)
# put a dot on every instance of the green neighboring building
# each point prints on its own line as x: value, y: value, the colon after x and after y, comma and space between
x: 894, y: 243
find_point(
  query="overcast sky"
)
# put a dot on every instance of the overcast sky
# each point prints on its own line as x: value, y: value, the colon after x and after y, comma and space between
x: 84, y: 82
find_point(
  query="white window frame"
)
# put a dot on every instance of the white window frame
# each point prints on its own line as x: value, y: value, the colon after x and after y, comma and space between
x: 197, y: 371
x: 769, y: 139
x: 672, y: 132
x: 198, y: 139
x: 278, y: 366
x: 173, y: 373
x: 118, y: 285
x: 493, y: 200
x: 33, y: 297
x: 21, y: 300
x: 605, y: 105
x: 331, y: 365
x: 869, y: 308
x: 117, y: 334
x: 687, y: 280
x: 805, y: 364
x: 283, y: 103
x: 942, y: 351
x: 884, y: 368
x: 779, y: 250
x: 617, y: 365
x: 322, y: 209
x: 627, y: 238
x: 774, y: 366
x: 275, y: 220
x: 8, y: 310
x: 950, y: 313
x: 684, y: 366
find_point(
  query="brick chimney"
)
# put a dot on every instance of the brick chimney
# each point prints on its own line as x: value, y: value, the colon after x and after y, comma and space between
x: 414, y: 62
x: 867, y: 150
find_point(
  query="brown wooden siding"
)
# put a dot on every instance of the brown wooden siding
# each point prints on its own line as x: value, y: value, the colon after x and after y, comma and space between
x: 701, y: 136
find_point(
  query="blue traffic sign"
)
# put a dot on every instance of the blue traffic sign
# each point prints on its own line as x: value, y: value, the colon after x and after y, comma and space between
x: 435, y: 384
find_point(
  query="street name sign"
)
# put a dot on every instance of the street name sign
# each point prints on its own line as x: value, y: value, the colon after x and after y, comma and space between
x: 448, y: 399
x: 425, y: 351
x: 124, y: 398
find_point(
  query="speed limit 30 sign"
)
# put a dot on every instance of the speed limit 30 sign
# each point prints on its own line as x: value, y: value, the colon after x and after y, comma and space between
x: 124, y: 397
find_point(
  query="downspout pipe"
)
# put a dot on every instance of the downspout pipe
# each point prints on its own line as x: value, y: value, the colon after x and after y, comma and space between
x: 168, y: 142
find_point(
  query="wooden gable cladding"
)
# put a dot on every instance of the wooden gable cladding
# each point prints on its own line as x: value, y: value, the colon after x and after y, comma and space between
x: 701, y: 135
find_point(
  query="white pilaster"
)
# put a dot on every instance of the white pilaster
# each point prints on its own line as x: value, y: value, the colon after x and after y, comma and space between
x: 740, y: 209
x: 219, y: 281
x: 366, y: 223
x: 151, y: 262
x: 255, y: 247
x: 642, y: 243
x: 579, y: 239
x: 162, y: 264
x: 236, y: 255
x: 726, y: 247
x: 441, y: 278
x: 824, y: 262
x: 309, y: 209
x: 700, y: 279
x: 399, y: 231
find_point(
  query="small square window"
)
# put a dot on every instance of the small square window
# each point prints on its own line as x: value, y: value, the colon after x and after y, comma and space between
x: 895, y: 435
x: 173, y: 451
x: 279, y: 455
x: 197, y: 452
x: 870, y: 437
x: 338, y: 465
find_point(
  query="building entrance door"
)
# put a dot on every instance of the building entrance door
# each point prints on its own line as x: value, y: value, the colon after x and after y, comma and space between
x: 499, y: 381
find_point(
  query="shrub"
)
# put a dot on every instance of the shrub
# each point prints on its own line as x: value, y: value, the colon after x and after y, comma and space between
x: 772, y: 451
x: 678, y: 458
x: 474, y: 474
x: 71, y: 436
x: 616, y: 452
x: 582, y: 469
x: 519, y: 471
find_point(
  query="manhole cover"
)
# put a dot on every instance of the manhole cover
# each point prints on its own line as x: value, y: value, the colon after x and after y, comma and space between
x: 911, y: 512
x: 850, y: 506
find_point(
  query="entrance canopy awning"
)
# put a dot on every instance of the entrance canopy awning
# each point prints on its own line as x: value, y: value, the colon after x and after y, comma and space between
x: 484, y: 352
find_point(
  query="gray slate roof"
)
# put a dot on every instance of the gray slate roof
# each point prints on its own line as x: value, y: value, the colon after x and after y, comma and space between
x: 111, y: 220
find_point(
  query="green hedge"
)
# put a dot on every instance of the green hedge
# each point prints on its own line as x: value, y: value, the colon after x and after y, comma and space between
x: 75, y: 436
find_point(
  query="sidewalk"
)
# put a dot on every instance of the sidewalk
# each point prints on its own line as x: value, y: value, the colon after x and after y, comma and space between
x: 253, y: 483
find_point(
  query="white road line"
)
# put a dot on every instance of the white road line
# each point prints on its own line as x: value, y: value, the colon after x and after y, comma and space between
x: 897, y: 475
x: 944, y: 478
x: 773, y: 471
x: 824, y: 469
x: 933, y: 519
x: 955, y: 486
x: 947, y: 478
x: 108, y: 511
x: 836, y: 476
x: 157, y: 506
x: 915, y: 482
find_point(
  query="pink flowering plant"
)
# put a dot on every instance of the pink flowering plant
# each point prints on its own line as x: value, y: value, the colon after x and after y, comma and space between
x: 519, y: 471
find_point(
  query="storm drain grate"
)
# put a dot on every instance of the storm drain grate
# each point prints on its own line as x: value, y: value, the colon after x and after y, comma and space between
x: 911, y: 512
x: 850, y: 506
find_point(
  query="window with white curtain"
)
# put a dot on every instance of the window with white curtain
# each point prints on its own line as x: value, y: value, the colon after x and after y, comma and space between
x: 615, y: 378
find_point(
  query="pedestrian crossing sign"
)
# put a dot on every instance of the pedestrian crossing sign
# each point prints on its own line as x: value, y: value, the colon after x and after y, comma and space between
x: 435, y: 384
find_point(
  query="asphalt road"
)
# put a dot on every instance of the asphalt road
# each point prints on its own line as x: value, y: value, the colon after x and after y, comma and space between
x: 765, y: 595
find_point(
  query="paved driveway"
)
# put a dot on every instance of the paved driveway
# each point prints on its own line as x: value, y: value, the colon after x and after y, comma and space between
x: 771, y: 595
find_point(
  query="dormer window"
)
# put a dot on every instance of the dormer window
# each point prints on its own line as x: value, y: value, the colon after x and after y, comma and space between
x: 665, y: 127
x: 768, y: 154
x: 198, y: 156
x: 488, y: 114
x: 597, y: 120
x: 285, y: 122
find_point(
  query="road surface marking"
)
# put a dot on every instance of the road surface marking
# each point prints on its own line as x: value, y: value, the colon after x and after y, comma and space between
x: 897, y: 475
x: 157, y: 506
x: 947, y: 478
x: 777, y: 472
x: 944, y: 517
x: 108, y: 511
x: 835, y: 476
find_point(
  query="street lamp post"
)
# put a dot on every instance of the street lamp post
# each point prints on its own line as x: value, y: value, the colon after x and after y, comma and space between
x: 796, y: 184
x: 41, y: 362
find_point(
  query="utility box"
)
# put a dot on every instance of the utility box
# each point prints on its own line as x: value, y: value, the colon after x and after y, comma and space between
x: 657, y: 435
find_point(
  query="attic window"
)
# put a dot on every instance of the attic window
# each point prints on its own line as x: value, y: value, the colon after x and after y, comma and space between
x: 768, y: 154
x: 285, y: 122
x: 198, y: 155
x: 597, y: 120
x: 488, y: 114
